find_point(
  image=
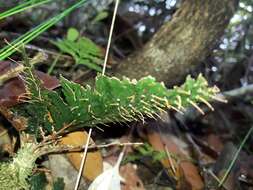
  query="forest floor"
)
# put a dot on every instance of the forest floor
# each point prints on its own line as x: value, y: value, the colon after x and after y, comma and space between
x: 176, y: 151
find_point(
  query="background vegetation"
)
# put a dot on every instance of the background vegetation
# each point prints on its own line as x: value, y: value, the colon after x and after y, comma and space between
x: 167, y: 39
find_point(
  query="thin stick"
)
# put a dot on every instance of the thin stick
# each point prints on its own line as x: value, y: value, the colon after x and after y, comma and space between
x: 83, y: 160
x: 235, y: 157
x: 14, y: 72
x: 110, y: 36
x: 116, y: 144
x: 64, y: 148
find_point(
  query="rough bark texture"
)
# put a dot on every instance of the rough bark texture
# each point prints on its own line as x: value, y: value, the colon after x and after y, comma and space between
x: 181, y: 43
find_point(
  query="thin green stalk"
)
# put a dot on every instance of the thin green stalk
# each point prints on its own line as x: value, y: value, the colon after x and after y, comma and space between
x: 22, y: 7
x: 30, y: 35
x: 53, y: 64
x: 235, y: 157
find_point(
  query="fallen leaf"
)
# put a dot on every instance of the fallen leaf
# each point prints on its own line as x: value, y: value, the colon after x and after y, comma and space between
x: 5, y: 141
x: 13, y: 89
x: 132, y: 180
x: 94, y: 162
x: 11, y: 92
x: 181, y: 168
x: 48, y: 82
x: 18, y: 122
x: 211, y: 144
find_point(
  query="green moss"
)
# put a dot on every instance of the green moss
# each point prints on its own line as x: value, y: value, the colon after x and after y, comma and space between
x: 14, y: 174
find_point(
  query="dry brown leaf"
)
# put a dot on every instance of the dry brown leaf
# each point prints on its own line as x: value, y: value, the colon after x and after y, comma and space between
x: 18, y: 122
x: 94, y: 162
x: 13, y: 89
x: 214, y: 141
x: 185, y: 172
x: 132, y: 180
x: 5, y: 141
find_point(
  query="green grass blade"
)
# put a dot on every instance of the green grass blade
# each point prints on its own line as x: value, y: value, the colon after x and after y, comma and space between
x: 22, y: 7
x: 30, y: 35
x: 235, y: 157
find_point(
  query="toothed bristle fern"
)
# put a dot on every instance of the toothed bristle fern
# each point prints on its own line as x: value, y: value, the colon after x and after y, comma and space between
x: 111, y: 100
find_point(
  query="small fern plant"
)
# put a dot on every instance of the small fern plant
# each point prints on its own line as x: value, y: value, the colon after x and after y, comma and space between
x: 82, y: 49
x: 111, y: 100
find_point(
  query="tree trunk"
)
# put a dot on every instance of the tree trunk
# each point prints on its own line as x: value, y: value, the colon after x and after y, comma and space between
x: 181, y: 43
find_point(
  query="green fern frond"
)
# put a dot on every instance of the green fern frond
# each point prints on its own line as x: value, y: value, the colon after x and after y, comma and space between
x: 83, y: 50
x: 112, y: 100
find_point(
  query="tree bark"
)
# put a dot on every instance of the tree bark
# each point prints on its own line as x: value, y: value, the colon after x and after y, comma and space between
x: 182, y: 43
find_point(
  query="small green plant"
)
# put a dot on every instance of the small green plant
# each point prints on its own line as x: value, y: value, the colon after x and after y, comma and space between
x: 101, y: 15
x: 38, y: 181
x: 82, y: 49
x: 146, y: 151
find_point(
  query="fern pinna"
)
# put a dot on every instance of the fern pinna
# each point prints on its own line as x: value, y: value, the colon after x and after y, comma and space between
x: 111, y: 100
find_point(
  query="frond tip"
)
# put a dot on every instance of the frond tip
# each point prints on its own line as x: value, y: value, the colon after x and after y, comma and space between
x: 127, y: 100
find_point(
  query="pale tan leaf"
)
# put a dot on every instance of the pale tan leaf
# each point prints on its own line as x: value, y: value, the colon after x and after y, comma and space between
x: 94, y: 162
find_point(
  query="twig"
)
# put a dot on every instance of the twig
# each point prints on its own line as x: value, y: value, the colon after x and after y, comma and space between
x: 68, y: 148
x: 14, y: 72
x: 238, y: 92
x: 56, y: 54
x: 173, y: 168
x: 116, y: 144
